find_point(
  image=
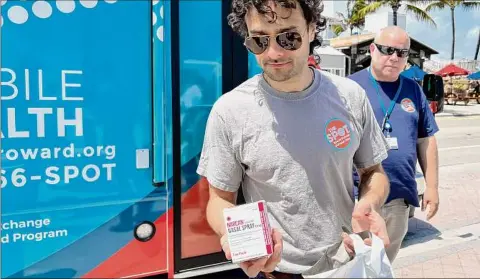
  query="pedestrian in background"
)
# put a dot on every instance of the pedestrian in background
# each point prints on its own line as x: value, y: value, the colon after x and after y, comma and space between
x: 405, y: 118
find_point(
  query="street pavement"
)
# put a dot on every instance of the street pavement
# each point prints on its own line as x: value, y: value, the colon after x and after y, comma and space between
x: 459, y: 110
x: 448, y: 246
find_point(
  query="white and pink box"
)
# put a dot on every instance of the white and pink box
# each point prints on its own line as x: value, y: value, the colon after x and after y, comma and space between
x: 248, y: 230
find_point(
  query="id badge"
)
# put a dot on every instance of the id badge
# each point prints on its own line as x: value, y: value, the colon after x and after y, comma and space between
x: 393, y: 143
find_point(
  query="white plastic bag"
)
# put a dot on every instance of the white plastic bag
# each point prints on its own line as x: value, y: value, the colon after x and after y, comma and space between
x: 369, y: 261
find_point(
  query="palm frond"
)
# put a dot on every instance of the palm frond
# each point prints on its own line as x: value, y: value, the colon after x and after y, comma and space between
x: 337, y: 29
x: 440, y: 5
x: 420, y: 14
x: 341, y: 16
x: 371, y: 7
x: 470, y: 5
x: 417, y: 2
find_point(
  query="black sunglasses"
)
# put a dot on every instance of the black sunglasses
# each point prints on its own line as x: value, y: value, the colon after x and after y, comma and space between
x: 291, y: 40
x: 388, y: 50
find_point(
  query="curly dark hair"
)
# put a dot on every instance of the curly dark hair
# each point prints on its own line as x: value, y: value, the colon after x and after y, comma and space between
x: 312, y: 11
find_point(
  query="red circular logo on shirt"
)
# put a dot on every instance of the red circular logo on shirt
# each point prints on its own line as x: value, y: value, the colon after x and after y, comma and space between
x: 407, y: 105
x: 337, y: 133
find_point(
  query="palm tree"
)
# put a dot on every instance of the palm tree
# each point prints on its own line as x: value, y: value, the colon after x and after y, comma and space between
x: 353, y: 19
x: 452, y: 4
x: 478, y: 46
x: 410, y: 7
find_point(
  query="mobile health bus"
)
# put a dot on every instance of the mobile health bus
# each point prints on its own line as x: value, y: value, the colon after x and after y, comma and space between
x: 103, y: 110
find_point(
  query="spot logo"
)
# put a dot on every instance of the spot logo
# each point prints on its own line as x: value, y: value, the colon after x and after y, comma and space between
x: 338, y: 133
x: 408, y: 105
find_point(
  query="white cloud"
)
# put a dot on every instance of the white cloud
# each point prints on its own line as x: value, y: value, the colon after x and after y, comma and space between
x: 473, y: 32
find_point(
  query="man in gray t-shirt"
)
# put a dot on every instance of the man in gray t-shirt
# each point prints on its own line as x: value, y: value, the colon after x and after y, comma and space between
x: 291, y: 136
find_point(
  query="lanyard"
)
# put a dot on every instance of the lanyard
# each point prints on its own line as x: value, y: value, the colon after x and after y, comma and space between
x: 388, y: 112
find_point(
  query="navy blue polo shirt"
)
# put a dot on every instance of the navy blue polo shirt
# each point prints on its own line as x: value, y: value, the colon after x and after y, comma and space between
x: 411, y: 119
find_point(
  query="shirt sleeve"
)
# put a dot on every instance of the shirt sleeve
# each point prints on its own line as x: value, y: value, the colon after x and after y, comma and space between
x: 373, y: 148
x: 427, y: 126
x: 218, y: 161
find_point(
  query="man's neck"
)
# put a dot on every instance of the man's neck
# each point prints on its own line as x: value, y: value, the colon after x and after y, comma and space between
x: 380, y: 77
x: 295, y: 84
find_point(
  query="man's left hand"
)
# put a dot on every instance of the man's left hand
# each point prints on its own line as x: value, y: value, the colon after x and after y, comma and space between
x: 431, y: 199
x: 366, y: 218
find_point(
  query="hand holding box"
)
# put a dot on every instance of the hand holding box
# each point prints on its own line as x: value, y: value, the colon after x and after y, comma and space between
x: 249, y: 239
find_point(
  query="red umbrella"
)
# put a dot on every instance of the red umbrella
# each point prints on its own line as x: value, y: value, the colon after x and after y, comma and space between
x: 452, y: 70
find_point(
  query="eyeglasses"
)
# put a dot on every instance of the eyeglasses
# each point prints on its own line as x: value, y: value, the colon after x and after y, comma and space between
x: 290, y: 40
x: 388, y: 50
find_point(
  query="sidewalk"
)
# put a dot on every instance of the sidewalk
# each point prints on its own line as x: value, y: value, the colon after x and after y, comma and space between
x: 448, y: 246
x: 450, y: 254
x: 456, y: 261
x: 460, y: 110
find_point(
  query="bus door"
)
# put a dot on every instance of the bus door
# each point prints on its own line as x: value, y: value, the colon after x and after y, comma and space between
x: 76, y: 119
x: 207, y: 60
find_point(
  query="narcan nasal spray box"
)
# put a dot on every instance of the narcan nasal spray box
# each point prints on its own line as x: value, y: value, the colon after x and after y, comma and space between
x: 248, y: 231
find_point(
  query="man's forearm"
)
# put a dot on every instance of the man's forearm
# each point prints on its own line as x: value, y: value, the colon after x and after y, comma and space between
x: 428, y: 160
x: 374, y: 186
x: 215, y: 206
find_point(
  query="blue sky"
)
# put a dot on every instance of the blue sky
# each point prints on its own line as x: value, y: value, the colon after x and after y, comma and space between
x: 467, y: 26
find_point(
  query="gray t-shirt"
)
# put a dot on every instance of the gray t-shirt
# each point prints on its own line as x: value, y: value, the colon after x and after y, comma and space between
x: 297, y: 152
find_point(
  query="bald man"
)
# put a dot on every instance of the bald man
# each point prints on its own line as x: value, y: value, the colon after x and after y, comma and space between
x: 404, y: 116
